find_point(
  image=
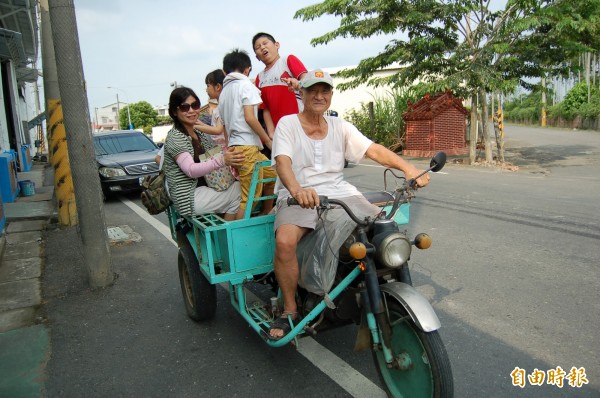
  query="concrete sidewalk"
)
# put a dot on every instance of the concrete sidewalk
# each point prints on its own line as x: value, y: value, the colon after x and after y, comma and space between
x: 24, y: 339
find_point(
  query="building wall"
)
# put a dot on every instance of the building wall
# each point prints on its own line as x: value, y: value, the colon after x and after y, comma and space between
x: 106, y: 117
x: 417, y: 135
x: 27, y: 112
x: 449, y: 130
x: 159, y: 133
x: 162, y: 110
x: 22, y: 99
x: 445, y: 132
x: 4, y: 142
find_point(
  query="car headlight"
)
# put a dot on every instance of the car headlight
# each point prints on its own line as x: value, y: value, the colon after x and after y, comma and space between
x: 394, y: 250
x: 109, y: 172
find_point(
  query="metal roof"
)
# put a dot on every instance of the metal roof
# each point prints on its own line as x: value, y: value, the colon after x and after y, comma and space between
x: 19, y: 31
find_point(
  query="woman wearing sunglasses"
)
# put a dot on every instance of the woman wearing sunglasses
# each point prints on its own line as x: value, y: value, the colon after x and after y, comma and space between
x: 185, y: 173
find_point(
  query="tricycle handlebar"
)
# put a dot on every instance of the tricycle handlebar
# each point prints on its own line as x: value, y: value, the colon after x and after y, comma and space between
x: 402, y: 194
x: 325, y: 203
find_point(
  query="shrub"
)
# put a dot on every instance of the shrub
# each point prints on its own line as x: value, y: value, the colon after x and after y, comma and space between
x: 576, y: 102
x: 591, y: 110
x: 523, y: 114
x: 524, y: 108
x: 163, y: 120
x: 388, y: 125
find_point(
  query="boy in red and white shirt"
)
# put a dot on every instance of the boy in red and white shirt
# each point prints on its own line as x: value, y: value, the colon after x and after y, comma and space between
x: 278, y: 82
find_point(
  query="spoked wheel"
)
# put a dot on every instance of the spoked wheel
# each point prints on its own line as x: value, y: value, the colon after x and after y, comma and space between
x: 424, y: 368
x: 199, y: 296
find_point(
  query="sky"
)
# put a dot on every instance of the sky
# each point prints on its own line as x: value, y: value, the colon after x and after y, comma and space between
x: 140, y: 47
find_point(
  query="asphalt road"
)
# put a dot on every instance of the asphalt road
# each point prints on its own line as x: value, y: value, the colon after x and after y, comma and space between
x: 512, y: 273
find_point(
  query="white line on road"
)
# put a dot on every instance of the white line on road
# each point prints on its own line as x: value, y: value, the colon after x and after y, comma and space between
x: 339, y: 371
x: 162, y: 228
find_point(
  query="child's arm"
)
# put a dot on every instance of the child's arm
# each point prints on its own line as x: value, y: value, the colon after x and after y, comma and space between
x: 255, y: 125
x: 298, y: 72
x: 208, y: 129
x: 269, y: 122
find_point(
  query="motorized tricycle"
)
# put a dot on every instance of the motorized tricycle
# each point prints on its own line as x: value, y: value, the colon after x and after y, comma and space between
x: 371, y: 284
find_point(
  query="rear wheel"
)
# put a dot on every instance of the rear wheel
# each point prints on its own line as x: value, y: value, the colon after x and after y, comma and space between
x: 425, y: 365
x: 199, y: 296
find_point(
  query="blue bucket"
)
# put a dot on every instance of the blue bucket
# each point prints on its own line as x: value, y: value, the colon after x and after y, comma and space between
x: 27, y: 187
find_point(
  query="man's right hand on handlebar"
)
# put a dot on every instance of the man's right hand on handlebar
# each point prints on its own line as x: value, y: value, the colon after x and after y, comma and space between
x: 411, y: 172
x: 306, y: 198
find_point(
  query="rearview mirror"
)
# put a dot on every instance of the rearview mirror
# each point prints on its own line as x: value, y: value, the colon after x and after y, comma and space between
x: 437, y: 162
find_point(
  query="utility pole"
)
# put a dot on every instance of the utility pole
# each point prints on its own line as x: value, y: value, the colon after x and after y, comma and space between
x: 96, y: 114
x: 71, y: 81
x: 57, y: 144
x: 128, y: 106
x: 118, y: 118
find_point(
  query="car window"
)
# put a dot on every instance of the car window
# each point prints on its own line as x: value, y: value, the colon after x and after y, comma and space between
x: 111, y: 144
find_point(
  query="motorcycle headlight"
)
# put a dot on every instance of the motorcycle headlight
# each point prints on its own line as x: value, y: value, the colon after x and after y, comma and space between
x: 109, y: 172
x: 394, y: 250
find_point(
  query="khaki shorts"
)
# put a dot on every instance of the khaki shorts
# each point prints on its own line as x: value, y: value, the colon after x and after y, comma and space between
x: 251, y: 156
x: 307, y: 218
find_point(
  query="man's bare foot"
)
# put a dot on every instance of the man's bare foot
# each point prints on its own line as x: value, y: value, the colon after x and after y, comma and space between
x: 281, y: 326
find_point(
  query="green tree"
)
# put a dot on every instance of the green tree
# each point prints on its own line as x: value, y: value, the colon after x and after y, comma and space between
x: 554, y: 35
x: 462, y: 45
x: 448, y: 44
x: 143, y: 116
x: 164, y: 120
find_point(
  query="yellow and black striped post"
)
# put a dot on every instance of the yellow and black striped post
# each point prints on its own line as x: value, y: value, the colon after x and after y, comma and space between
x: 500, y: 116
x: 59, y: 159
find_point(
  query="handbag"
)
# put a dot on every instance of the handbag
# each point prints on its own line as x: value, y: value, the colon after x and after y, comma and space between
x: 219, y: 179
x: 154, y: 196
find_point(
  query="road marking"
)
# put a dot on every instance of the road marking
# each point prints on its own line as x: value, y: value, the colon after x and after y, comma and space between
x: 333, y: 366
x: 351, y: 380
x: 339, y: 371
x: 162, y: 228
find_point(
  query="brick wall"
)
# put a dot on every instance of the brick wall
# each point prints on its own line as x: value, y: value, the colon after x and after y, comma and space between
x: 417, y: 135
x: 449, y: 130
x: 446, y: 132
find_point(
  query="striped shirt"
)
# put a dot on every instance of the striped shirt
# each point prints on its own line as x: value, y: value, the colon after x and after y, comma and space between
x: 181, y: 187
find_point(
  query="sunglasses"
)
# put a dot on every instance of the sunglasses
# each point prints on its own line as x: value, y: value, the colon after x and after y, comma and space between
x: 186, y: 107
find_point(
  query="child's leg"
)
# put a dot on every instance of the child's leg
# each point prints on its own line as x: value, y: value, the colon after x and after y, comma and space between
x: 245, y: 181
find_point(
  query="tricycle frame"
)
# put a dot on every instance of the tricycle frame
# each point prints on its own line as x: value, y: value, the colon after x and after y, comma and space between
x: 241, y: 251
x: 234, y: 252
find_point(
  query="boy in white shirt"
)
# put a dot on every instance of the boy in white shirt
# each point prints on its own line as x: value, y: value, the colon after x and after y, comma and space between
x: 238, y: 106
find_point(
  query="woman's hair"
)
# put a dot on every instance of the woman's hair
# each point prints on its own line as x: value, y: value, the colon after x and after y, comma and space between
x: 178, y: 97
x: 215, y: 77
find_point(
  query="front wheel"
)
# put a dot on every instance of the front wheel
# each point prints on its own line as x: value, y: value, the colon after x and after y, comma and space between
x: 199, y: 296
x: 424, y: 368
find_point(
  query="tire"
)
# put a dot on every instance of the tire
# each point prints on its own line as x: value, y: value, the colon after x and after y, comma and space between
x: 429, y: 375
x: 199, y: 296
x: 106, y: 195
